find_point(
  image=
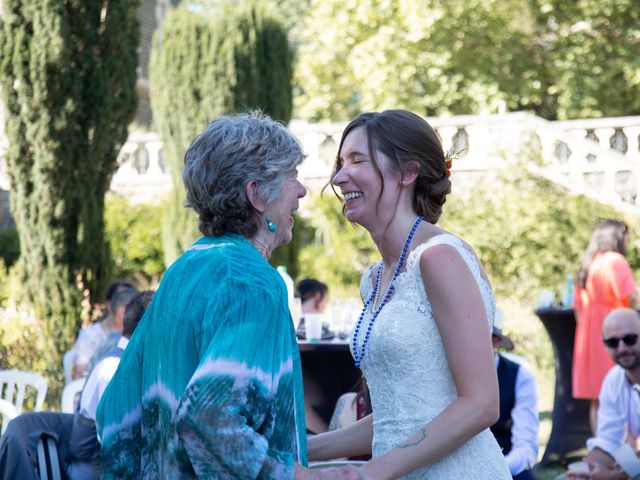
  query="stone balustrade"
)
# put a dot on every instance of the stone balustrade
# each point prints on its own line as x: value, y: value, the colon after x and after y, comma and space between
x: 598, y: 158
x: 595, y: 157
x: 617, y: 133
x: 596, y: 166
x: 143, y: 175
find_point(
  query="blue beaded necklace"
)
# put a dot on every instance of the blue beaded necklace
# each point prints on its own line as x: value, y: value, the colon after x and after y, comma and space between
x: 374, y: 295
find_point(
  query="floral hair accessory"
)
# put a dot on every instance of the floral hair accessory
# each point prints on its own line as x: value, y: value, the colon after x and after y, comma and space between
x: 451, y: 155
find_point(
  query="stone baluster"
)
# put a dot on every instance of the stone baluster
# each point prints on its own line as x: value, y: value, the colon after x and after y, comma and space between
x: 633, y: 143
x: 604, y: 135
x: 154, y: 147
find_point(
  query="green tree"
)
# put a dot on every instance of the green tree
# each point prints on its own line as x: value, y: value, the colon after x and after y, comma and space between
x: 220, y: 60
x: 558, y: 59
x: 429, y: 57
x: 591, y: 50
x: 67, y: 74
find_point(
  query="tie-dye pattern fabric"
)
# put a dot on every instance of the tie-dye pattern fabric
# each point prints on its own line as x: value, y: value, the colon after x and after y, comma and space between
x: 210, y: 385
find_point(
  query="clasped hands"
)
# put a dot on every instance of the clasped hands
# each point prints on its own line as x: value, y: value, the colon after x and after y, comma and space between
x: 348, y: 472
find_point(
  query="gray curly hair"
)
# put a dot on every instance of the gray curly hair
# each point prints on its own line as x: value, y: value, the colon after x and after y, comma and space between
x: 231, y: 152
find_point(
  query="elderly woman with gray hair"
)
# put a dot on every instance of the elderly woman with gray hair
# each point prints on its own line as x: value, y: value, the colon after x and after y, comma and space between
x: 210, y: 385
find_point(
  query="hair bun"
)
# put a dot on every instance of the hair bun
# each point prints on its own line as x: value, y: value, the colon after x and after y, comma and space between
x: 440, y: 189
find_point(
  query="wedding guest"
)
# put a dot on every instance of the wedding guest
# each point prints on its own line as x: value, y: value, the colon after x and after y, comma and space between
x: 517, y: 428
x: 313, y: 294
x: 423, y: 338
x: 211, y: 388
x: 118, y: 308
x: 314, y: 297
x: 604, y: 282
x: 91, y: 338
x: 619, y: 408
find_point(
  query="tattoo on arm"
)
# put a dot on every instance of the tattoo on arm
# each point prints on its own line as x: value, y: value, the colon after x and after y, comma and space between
x: 423, y: 433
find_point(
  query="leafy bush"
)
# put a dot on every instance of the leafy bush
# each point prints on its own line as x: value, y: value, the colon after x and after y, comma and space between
x: 528, y: 232
x: 24, y: 345
x: 134, y: 236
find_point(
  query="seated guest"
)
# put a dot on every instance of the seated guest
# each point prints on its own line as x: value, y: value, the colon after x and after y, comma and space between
x: 119, y: 305
x: 517, y: 428
x: 75, y: 434
x: 104, y: 370
x: 92, y: 337
x: 314, y: 296
x: 618, y: 417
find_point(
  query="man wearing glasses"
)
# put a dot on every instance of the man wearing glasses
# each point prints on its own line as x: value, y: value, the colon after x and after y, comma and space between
x: 619, y: 410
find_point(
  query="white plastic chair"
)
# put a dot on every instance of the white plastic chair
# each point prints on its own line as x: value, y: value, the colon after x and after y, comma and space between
x: 71, y: 395
x: 8, y: 412
x: 67, y: 365
x: 13, y: 386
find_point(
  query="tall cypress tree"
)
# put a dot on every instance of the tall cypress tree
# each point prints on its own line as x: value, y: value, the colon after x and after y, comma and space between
x: 208, y: 63
x: 67, y: 75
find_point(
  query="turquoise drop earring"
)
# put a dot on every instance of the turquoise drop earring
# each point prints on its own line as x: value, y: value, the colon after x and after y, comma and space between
x: 272, y: 227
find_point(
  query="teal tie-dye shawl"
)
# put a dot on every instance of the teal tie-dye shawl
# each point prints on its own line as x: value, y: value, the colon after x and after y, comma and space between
x: 210, y: 385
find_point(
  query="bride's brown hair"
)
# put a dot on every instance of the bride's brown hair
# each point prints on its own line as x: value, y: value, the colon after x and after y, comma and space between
x: 406, y: 139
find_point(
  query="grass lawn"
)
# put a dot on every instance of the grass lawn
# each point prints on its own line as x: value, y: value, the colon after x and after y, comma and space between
x: 549, y: 473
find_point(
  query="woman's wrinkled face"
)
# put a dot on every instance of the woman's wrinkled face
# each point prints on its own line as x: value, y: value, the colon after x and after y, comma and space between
x: 360, y: 182
x: 281, y: 210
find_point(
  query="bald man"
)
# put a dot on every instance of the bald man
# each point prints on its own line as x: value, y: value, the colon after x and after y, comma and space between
x: 619, y: 410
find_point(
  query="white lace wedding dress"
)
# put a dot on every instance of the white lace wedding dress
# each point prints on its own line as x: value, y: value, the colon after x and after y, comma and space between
x: 408, y: 375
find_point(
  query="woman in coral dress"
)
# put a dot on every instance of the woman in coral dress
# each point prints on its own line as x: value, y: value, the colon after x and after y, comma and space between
x: 604, y: 282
